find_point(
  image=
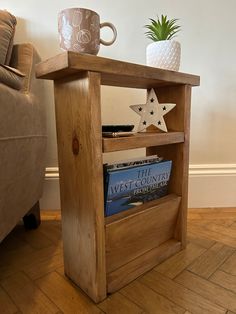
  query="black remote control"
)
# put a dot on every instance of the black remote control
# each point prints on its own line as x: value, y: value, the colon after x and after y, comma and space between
x: 117, y: 128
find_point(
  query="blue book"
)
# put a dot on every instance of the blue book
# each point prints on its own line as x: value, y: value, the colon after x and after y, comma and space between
x: 133, y: 186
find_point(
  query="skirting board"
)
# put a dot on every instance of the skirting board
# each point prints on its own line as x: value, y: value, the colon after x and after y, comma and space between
x: 210, y: 185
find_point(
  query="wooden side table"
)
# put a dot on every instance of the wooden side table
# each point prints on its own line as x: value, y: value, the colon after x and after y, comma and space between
x: 102, y: 254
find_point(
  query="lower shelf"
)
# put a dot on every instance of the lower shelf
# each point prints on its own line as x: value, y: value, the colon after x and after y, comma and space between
x: 138, y: 239
x: 130, y: 271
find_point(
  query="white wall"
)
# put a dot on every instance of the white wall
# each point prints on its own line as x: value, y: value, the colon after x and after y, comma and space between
x: 208, y: 49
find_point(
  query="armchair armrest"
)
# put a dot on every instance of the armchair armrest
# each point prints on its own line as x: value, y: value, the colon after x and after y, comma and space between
x: 23, y: 111
x: 11, y: 77
x: 24, y: 57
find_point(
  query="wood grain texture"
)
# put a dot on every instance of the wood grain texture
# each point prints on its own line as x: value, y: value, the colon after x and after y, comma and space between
x: 10, y: 254
x: 196, y: 229
x: 23, y: 292
x: 6, y: 304
x: 177, y: 119
x: 132, y: 236
x: 199, y: 241
x: 137, y: 237
x: 113, y: 72
x: 141, y: 208
x: 140, y: 297
x: 140, y: 140
x: 78, y: 119
x: 230, y: 265
x: 224, y: 280
x: 118, y: 304
x: 130, y: 271
x: 181, y: 295
x: 43, y: 267
x: 149, y: 300
x: 65, y: 295
x: 177, y: 263
x: 13, y: 262
x: 208, y: 290
x: 37, y: 240
x: 52, y: 231
x: 206, y: 264
x: 219, y: 226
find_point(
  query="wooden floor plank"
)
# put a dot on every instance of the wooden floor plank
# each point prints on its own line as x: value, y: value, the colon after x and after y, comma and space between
x: 205, y: 222
x: 194, y: 216
x: 213, y: 210
x: 44, y: 266
x: 177, y: 263
x: 6, y: 304
x: 118, y: 304
x: 221, y: 228
x: 12, y: 243
x: 149, y: 300
x: 224, y: 216
x: 60, y: 271
x: 224, y: 280
x: 198, y: 240
x: 10, y: 256
x: 233, y: 225
x: 206, y: 264
x: 210, y: 231
x: 50, y: 215
x: 230, y: 265
x: 180, y: 295
x: 208, y: 290
x: 34, y: 238
x: 18, y: 260
x: 68, y: 298
x: 52, y: 230
x: 27, y: 296
x: 208, y: 234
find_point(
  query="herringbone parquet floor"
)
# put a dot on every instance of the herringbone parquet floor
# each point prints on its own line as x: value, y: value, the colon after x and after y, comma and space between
x: 200, y: 279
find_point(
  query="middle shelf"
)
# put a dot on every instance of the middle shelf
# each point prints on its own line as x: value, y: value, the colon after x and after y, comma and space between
x: 139, y: 140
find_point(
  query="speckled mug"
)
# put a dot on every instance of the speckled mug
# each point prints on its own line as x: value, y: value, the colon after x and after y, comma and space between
x: 79, y: 30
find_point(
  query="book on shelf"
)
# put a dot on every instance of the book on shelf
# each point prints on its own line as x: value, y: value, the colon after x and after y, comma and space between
x: 134, y: 182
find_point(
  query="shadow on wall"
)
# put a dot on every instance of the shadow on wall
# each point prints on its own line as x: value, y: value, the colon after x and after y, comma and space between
x: 47, y: 45
x: 29, y: 31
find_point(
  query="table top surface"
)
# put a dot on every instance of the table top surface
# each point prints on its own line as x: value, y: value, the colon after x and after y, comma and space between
x: 113, y: 72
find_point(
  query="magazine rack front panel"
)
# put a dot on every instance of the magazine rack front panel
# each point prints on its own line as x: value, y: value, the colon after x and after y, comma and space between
x: 132, y: 236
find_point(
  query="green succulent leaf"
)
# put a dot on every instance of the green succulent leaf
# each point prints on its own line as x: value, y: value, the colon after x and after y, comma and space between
x: 162, y: 28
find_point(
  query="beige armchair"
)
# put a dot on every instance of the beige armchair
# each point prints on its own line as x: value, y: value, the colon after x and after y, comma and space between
x: 22, y: 140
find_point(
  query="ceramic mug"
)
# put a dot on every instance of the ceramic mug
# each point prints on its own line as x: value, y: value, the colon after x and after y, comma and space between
x: 79, y: 30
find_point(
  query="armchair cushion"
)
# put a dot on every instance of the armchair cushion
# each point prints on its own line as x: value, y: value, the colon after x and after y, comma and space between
x: 7, y: 31
x: 11, y: 77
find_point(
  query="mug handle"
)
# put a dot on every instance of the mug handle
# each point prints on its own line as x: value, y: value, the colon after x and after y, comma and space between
x: 108, y: 43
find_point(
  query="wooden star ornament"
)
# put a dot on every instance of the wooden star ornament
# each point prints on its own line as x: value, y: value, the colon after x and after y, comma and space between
x: 152, y: 112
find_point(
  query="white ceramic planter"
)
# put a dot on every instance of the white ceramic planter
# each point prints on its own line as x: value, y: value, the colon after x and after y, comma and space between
x: 164, y: 54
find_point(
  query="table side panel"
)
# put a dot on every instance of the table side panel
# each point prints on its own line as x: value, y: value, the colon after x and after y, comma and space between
x: 78, y: 118
x: 178, y: 119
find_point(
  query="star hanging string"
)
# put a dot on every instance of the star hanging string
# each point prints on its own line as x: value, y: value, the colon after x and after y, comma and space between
x: 152, y: 112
